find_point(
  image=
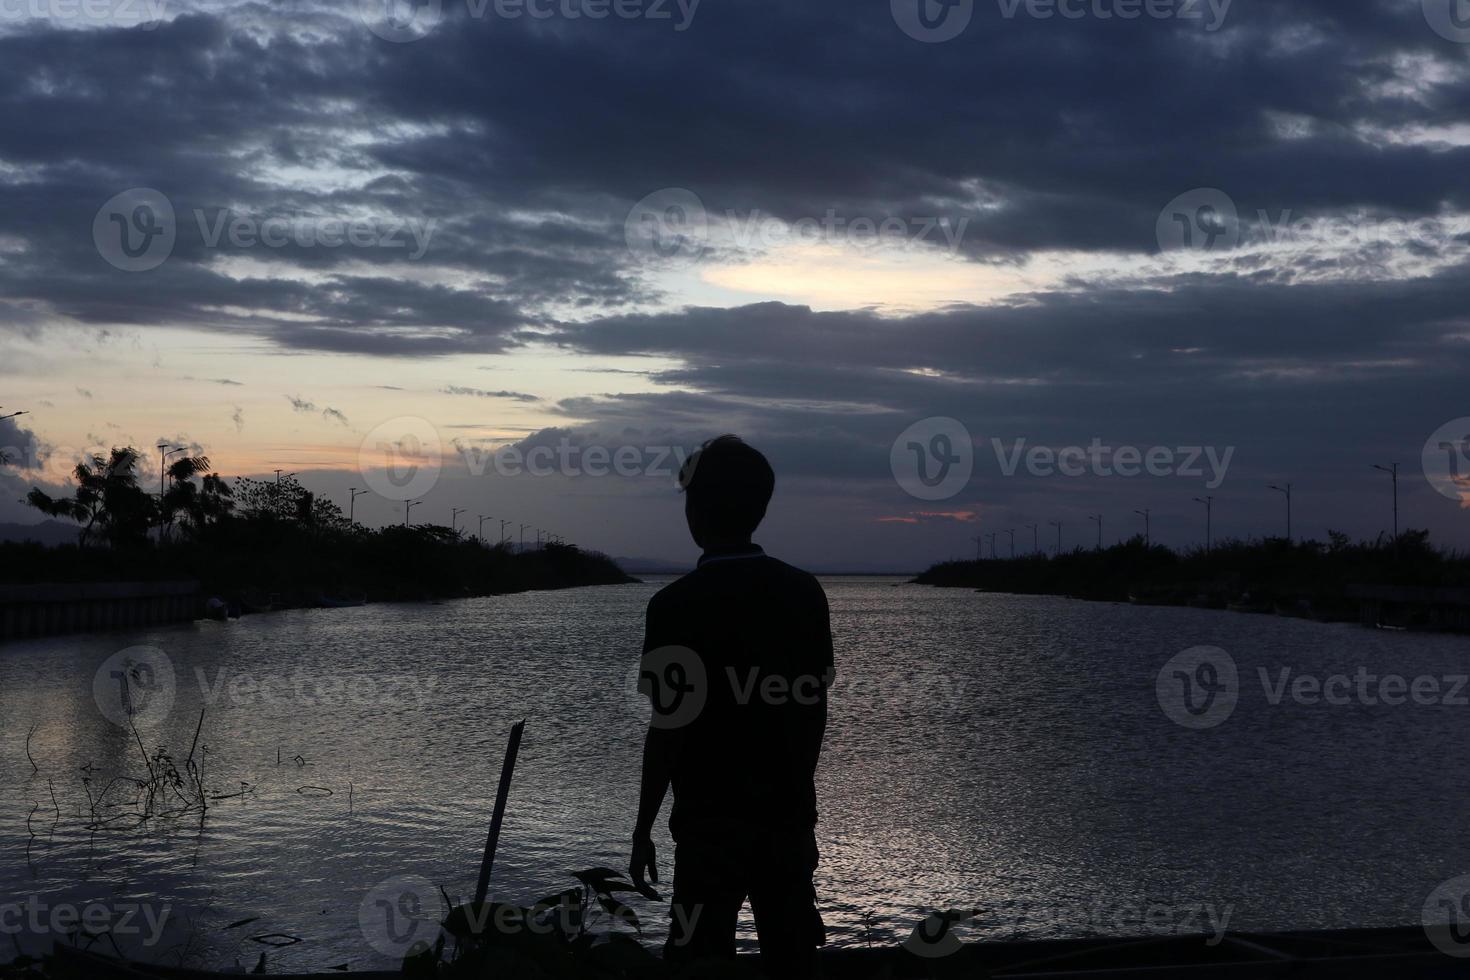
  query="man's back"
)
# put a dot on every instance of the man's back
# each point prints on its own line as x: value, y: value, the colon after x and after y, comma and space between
x: 761, y: 631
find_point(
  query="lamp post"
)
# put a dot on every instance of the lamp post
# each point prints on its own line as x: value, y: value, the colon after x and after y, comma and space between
x: 1097, y: 519
x: 1058, y: 526
x: 12, y: 415
x: 1148, y: 541
x: 1035, y: 545
x: 352, y: 494
x: 1392, y: 469
x: 1012, y: 532
x: 502, y: 530
x: 164, y: 452
x: 523, y: 536
x: 409, y: 505
x: 991, y: 536
x: 454, y: 513
x: 481, y: 532
x: 979, y: 540
x: 1209, y: 503
x: 1286, y: 490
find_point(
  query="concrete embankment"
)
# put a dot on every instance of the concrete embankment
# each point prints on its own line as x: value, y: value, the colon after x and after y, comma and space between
x: 48, y: 609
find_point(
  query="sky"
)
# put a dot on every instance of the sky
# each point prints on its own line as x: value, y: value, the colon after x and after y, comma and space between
x: 959, y: 269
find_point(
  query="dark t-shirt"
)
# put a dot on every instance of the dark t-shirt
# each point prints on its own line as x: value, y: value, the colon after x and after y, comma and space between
x: 760, y: 629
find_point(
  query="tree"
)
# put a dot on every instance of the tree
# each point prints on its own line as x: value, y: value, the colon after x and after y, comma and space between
x: 107, y: 502
x: 200, y: 504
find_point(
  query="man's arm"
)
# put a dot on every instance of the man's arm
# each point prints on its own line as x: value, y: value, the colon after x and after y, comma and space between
x: 654, y: 784
x: 652, y: 789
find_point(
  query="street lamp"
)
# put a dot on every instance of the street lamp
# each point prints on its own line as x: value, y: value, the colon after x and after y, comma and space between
x: 481, y: 532
x: 991, y: 536
x: 1035, y: 547
x: 1058, y: 526
x: 1097, y: 519
x: 1209, y: 503
x: 164, y: 452
x: 454, y: 513
x: 12, y: 415
x: 1286, y: 490
x: 502, y: 530
x: 352, y: 494
x: 409, y: 505
x: 1393, y: 470
x: 523, y: 536
x: 979, y: 540
x: 1148, y: 541
x: 1012, y: 532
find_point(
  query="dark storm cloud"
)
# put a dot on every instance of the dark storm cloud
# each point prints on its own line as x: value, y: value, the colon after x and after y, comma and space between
x: 506, y: 153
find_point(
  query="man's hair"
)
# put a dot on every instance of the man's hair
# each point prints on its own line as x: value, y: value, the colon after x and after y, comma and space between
x: 731, y: 482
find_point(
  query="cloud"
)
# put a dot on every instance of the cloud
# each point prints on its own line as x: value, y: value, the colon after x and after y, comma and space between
x: 238, y: 417
x: 519, y: 396
x: 299, y: 404
x: 332, y: 415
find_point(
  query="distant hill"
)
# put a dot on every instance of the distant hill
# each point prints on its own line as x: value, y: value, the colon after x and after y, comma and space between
x: 48, y: 533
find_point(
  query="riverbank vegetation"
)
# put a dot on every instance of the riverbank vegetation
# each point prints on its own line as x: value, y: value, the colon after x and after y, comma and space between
x: 1330, y: 580
x: 271, y: 543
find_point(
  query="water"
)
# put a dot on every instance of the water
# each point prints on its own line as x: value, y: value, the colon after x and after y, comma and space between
x: 1003, y: 753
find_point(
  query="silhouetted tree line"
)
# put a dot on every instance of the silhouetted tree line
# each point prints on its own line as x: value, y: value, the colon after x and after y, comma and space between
x: 270, y: 541
x: 1246, y: 573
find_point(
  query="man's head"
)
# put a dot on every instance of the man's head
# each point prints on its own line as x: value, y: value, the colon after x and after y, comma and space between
x: 727, y: 485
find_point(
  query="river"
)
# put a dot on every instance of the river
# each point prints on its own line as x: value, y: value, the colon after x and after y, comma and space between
x: 1010, y: 754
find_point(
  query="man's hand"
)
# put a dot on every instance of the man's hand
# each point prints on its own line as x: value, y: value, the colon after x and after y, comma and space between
x: 643, y: 860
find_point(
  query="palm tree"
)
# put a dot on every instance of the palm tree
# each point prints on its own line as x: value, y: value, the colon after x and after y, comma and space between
x: 107, y: 500
x: 202, y: 503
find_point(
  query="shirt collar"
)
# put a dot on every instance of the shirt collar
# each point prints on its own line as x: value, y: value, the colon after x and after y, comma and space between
x: 753, y: 551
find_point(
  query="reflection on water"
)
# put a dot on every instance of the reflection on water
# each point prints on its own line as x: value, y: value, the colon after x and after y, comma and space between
x: 1003, y: 753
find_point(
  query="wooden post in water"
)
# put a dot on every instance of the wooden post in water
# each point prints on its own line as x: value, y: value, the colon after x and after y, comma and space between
x: 512, y: 749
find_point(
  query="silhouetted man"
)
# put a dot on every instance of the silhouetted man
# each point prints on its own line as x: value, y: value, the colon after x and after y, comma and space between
x: 737, y: 660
